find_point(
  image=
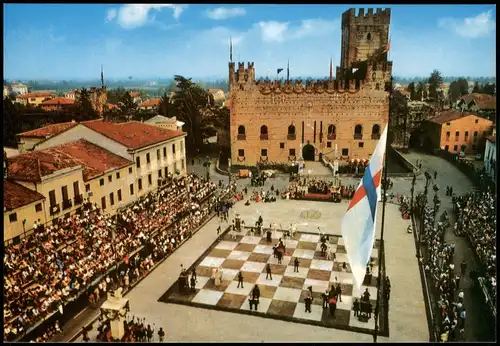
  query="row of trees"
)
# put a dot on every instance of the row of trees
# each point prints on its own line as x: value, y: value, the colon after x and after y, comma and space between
x: 19, y: 118
x: 191, y: 104
x: 457, y: 88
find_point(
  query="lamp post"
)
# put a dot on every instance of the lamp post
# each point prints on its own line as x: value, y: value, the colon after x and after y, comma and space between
x: 24, y: 228
x: 427, y: 181
x: 413, y: 190
x: 436, y: 200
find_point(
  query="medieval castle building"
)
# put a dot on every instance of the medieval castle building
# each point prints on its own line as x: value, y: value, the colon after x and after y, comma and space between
x: 338, y: 118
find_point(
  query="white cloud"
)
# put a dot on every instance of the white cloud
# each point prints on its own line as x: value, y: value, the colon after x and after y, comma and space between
x: 221, y: 13
x: 136, y: 15
x: 273, y: 31
x: 280, y: 31
x: 111, y: 14
x: 471, y: 27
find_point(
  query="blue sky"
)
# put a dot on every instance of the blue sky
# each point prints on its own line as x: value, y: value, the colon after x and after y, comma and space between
x: 72, y: 41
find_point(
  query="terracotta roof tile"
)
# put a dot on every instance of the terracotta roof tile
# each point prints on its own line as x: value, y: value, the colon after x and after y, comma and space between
x: 59, y: 101
x: 16, y: 195
x: 49, y: 130
x: 484, y: 101
x: 34, y: 165
x: 112, y: 106
x: 450, y: 115
x: 135, y: 93
x: 132, y: 134
x: 150, y: 103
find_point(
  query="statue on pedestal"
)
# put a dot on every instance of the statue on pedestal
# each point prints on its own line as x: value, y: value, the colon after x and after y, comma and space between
x: 115, y: 310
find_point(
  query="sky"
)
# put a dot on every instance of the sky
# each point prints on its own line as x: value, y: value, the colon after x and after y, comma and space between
x: 62, y: 41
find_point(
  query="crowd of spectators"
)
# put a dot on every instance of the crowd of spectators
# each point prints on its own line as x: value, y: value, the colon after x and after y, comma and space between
x: 57, y: 263
x: 136, y: 330
x: 476, y: 218
x: 439, y: 267
x: 301, y: 187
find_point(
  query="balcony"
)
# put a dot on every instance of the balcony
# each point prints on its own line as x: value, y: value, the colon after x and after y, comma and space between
x: 242, y: 137
x: 78, y: 199
x: 264, y: 137
x: 66, y: 204
x: 358, y: 136
x: 331, y: 136
x: 54, y: 209
x: 291, y: 137
x: 375, y: 135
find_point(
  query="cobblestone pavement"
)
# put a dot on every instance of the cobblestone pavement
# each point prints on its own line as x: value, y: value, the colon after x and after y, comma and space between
x: 407, y: 314
x: 407, y: 321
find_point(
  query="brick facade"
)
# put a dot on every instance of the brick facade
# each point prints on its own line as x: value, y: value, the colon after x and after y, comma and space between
x: 273, y: 121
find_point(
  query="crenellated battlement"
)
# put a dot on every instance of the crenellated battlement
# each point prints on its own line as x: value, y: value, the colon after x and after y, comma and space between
x: 317, y: 86
x: 381, y: 16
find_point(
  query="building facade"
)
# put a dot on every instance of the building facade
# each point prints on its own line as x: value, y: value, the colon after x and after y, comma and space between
x: 341, y: 118
x: 57, y: 104
x: 156, y: 152
x: 34, y: 99
x: 110, y: 164
x: 456, y: 132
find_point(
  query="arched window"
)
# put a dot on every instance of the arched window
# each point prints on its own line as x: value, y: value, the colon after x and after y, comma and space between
x: 291, y: 132
x: 376, y: 131
x: 263, y: 132
x: 331, y: 132
x: 241, y: 132
x: 377, y: 87
x: 369, y: 37
x: 358, y: 132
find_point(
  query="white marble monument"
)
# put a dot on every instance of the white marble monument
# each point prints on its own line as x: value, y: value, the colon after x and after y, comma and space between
x: 115, y: 309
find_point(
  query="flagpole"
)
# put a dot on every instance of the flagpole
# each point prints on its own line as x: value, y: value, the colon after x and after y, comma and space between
x: 384, y: 201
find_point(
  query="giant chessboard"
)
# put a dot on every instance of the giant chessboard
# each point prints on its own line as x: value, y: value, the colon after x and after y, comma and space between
x: 283, y: 296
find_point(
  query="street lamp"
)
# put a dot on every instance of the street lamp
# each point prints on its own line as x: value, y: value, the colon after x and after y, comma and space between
x: 427, y: 181
x: 412, y: 191
x: 436, y: 200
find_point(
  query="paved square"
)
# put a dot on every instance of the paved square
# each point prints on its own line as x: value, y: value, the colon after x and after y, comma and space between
x: 281, y: 297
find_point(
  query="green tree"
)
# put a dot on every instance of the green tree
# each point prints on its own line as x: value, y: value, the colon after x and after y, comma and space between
x: 413, y: 91
x: 127, y: 104
x: 115, y: 95
x: 420, y: 91
x: 477, y: 87
x: 463, y: 85
x: 166, y: 107
x: 435, y: 81
x: 190, y: 101
x: 489, y: 88
x: 84, y: 109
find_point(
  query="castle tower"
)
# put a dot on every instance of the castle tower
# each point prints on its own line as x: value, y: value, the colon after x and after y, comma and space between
x: 363, y: 34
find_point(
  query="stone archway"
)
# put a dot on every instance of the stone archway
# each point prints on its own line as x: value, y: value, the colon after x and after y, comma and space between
x: 308, y: 152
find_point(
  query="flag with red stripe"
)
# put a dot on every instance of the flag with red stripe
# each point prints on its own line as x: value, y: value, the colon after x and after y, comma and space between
x: 359, y: 221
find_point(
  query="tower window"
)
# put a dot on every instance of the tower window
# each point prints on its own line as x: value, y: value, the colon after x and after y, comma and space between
x: 369, y: 37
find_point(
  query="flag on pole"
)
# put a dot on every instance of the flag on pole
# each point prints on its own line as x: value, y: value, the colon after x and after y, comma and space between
x: 359, y: 222
x: 279, y: 70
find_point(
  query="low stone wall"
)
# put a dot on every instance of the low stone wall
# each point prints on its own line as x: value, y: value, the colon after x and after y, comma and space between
x: 218, y: 169
x: 404, y: 162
